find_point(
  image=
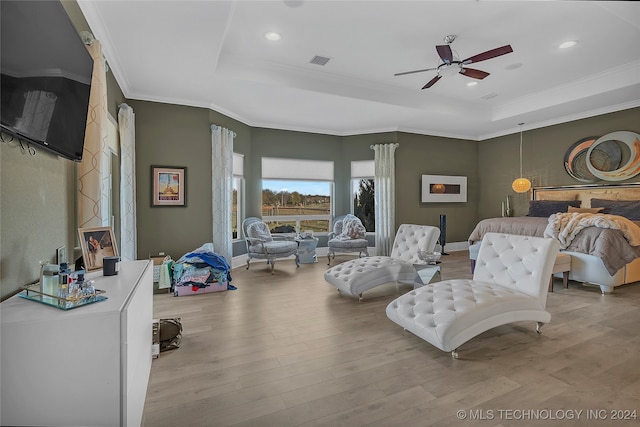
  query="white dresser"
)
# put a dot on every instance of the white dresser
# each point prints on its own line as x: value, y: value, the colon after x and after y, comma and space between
x: 88, y: 366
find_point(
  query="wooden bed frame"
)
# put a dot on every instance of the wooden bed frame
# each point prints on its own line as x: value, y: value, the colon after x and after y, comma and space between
x: 585, y: 193
x: 588, y: 268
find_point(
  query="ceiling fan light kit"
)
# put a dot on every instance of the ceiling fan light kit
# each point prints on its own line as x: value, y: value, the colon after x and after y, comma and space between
x: 450, y: 64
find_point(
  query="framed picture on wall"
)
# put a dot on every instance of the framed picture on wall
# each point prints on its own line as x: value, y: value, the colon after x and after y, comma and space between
x: 168, y: 186
x: 96, y: 243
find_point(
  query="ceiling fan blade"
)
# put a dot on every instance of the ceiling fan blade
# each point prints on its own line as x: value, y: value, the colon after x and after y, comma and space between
x: 444, y: 50
x: 414, y: 71
x: 473, y: 73
x: 488, y: 54
x: 432, y: 82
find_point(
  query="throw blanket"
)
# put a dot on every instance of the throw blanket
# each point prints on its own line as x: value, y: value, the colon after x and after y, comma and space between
x: 352, y: 228
x: 564, y: 226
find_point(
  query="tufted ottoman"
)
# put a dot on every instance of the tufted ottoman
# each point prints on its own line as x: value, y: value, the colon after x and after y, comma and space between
x: 509, y: 284
x: 356, y: 276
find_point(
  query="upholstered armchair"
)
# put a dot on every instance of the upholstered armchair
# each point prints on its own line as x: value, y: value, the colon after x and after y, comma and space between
x: 261, y: 244
x: 348, y: 235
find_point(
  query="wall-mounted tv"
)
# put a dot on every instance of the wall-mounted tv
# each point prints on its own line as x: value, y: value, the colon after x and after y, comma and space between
x: 46, y: 77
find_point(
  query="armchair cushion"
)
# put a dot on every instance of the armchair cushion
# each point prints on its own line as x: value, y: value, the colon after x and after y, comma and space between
x: 275, y: 248
x: 349, y: 244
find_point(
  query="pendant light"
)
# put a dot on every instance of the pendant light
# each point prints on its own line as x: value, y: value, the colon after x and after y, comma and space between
x: 521, y: 185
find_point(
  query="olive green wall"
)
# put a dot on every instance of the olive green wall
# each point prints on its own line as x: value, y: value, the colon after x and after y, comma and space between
x: 420, y: 155
x: 543, y: 152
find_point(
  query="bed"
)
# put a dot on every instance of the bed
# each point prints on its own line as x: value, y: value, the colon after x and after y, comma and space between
x: 601, y: 256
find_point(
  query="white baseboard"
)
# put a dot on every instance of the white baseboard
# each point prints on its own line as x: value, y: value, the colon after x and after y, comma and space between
x: 321, y: 253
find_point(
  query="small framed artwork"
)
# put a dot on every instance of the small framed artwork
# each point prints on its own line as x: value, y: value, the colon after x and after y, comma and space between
x: 168, y: 186
x: 96, y: 243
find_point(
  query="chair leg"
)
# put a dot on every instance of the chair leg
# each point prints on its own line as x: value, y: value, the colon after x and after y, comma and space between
x: 551, y: 284
x: 248, y: 261
x: 329, y: 257
x: 454, y: 353
x: 273, y: 265
x: 539, y: 326
x: 565, y: 279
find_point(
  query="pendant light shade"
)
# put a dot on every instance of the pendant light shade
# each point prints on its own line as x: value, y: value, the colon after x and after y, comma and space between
x: 521, y: 185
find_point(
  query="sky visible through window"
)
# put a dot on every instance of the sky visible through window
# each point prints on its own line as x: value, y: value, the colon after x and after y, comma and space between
x: 319, y: 188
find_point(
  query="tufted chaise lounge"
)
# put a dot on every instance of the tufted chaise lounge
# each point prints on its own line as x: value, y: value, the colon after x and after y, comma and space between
x: 562, y: 265
x: 510, y: 284
x: 357, y: 276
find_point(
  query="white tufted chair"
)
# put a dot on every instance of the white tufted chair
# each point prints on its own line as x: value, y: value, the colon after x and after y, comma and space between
x: 510, y: 284
x: 336, y: 244
x: 356, y: 276
x: 261, y: 244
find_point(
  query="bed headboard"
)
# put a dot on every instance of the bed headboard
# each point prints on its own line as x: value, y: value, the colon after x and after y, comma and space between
x: 584, y: 193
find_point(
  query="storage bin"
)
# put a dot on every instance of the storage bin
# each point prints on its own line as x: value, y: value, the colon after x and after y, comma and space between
x: 180, y: 291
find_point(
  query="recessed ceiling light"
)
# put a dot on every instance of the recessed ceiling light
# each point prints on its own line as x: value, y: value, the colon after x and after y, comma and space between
x: 472, y: 83
x: 568, y: 44
x: 272, y: 36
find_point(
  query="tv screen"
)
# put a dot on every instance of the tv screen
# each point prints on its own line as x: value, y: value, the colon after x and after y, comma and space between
x: 45, y: 77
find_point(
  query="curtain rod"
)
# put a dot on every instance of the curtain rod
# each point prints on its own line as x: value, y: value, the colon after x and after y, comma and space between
x: 395, y: 144
x: 215, y: 127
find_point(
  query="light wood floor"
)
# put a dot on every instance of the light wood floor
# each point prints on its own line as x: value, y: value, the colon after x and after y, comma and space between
x: 288, y: 350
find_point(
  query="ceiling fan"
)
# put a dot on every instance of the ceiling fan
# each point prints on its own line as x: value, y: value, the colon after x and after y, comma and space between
x: 450, y: 64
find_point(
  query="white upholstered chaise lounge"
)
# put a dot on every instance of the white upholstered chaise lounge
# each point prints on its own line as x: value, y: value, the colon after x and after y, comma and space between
x: 357, y: 276
x: 510, y: 284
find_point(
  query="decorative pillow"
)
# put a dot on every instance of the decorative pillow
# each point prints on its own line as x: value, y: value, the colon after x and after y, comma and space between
x: 585, y: 210
x: 627, y: 208
x: 546, y: 208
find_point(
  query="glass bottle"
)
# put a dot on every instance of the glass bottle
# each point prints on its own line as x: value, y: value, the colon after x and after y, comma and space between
x: 50, y: 279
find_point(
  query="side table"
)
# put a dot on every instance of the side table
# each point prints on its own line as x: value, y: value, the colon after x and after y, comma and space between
x: 425, y: 274
x: 307, y: 250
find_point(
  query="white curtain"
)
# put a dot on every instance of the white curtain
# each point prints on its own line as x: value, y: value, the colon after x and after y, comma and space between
x: 127, y: 127
x: 222, y: 190
x: 93, y: 171
x: 385, y: 199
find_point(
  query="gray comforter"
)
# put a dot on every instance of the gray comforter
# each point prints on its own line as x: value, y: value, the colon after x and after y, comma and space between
x: 606, y: 244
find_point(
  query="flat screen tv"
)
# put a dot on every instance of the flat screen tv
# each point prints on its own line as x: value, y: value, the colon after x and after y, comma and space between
x: 46, y: 77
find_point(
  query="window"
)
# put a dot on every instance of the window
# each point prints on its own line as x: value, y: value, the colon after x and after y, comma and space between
x: 297, y: 195
x: 363, y: 192
x: 238, y: 182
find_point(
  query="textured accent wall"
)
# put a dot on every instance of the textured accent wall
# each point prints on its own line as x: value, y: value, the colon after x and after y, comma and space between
x: 543, y: 153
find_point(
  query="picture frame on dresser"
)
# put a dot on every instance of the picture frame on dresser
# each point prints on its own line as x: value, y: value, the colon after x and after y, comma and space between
x: 97, y: 243
x: 168, y: 186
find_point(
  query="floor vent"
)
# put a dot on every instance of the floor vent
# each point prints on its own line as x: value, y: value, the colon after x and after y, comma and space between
x: 319, y: 60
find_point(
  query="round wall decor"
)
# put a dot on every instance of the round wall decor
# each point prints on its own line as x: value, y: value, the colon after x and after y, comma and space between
x: 630, y: 169
x: 575, y: 160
